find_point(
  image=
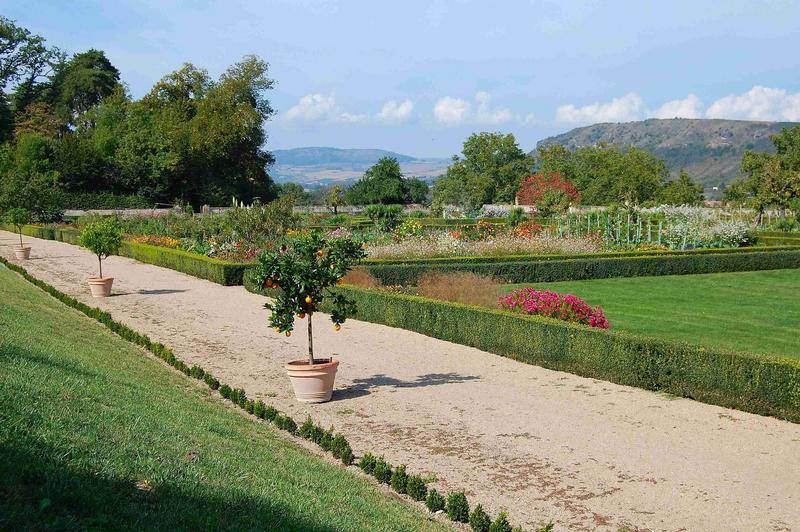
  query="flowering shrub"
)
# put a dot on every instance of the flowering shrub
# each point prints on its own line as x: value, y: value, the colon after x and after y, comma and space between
x: 163, y: 241
x: 549, y: 192
x: 552, y: 305
x: 409, y: 228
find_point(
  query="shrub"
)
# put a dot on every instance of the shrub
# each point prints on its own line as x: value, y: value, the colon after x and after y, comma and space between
x: 347, y: 455
x: 416, y: 488
x: 270, y: 413
x: 385, y: 217
x: 459, y: 287
x: 249, y: 406
x: 515, y: 217
x: 361, y: 278
x: 105, y: 200
x: 479, y: 520
x: 225, y: 391
x: 306, y: 430
x: 338, y: 445
x: 259, y: 409
x: 501, y: 524
x: 327, y: 440
x: 197, y: 372
x: 260, y: 225
x: 284, y: 422
x: 367, y: 463
x: 458, y: 507
x: 382, y: 471
x: 399, y: 479
x: 435, y: 501
x: 552, y: 305
x: 103, y: 238
x: 211, y: 381
x: 215, y: 270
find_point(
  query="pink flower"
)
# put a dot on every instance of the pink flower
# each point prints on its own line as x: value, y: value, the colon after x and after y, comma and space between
x: 550, y: 304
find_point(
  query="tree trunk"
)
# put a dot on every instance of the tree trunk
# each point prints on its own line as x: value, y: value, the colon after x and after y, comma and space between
x: 20, y: 238
x: 759, y: 218
x: 310, y: 342
x: 100, y: 262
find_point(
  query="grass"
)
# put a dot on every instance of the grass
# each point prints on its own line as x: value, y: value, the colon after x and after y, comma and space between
x: 97, y: 435
x: 757, y: 312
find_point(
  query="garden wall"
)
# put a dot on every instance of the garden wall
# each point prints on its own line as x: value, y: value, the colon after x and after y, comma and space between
x: 760, y: 384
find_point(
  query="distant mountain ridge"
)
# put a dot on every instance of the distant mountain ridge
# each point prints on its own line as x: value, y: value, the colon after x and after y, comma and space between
x: 312, y: 166
x: 710, y: 150
x: 320, y: 155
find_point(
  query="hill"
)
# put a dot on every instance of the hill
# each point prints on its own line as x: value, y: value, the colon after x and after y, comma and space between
x: 709, y: 149
x: 312, y: 166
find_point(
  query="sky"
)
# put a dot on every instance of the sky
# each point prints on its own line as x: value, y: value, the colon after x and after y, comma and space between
x: 419, y: 77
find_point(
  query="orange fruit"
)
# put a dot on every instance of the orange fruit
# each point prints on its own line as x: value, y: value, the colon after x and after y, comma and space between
x: 288, y: 334
x: 309, y: 300
x: 277, y: 329
x: 320, y: 253
x: 337, y: 327
x: 301, y: 315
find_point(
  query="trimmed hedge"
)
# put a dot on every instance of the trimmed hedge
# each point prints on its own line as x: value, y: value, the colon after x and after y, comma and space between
x: 766, y: 385
x: 577, y: 268
x: 215, y: 270
x: 104, y: 200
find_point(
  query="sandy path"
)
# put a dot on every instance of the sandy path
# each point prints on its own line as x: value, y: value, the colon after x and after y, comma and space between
x: 541, y: 444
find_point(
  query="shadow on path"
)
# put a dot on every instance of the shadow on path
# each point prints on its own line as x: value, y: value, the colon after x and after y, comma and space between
x: 361, y: 387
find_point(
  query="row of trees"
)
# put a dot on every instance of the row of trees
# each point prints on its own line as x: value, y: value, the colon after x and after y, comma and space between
x: 68, y: 123
x: 770, y: 180
x: 493, y: 166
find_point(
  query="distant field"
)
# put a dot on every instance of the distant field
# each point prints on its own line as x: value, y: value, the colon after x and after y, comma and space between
x: 97, y: 436
x: 757, y: 312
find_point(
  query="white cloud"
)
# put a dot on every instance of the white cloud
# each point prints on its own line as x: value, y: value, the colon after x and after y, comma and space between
x: 625, y: 109
x: 759, y: 103
x: 451, y: 111
x: 689, y: 107
x: 394, y: 112
x: 486, y: 115
x: 320, y: 108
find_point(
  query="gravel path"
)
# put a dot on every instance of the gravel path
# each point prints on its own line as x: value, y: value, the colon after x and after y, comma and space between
x: 542, y: 445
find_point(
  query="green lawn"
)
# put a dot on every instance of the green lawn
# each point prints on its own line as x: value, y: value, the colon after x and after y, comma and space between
x: 96, y: 435
x: 757, y: 312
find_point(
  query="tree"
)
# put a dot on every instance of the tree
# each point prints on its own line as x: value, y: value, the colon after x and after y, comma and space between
x: 305, y: 272
x: 334, y: 198
x: 382, y: 183
x: 771, y: 179
x: 294, y: 192
x: 23, y: 55
x: 550, y: 193
x: 683, y: 191
x: 418, y: 191
x: 80, y: 84
x: 489, y: 172
x: 19, y: 217
x: 103, y: 238
x: 607, y: 174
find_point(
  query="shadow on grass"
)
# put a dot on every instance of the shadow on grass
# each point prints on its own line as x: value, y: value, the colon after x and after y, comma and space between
x: 15, y: 353
x: 39, y: 491
x: 361, y: 387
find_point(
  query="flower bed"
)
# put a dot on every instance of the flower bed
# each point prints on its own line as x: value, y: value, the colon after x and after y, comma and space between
x: 552, y: 305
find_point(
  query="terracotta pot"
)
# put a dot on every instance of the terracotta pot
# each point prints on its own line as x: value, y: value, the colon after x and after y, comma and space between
x: 312, y: 383
x: 100, y: 286
x: 22, y: 252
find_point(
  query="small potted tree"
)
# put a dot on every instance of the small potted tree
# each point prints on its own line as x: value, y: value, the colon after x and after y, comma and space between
x: 304, y: 272
x: 18, y: 217
x: 103, y: 238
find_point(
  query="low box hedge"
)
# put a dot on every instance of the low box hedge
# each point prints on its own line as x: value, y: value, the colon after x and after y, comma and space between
x: 218, y: 271
x: 764, y: 385
x: 541, y: 270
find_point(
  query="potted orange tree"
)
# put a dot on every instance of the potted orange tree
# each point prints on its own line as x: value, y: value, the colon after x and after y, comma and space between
x: 103, y: 238
x: 18, y: 217
x: 304, y: 273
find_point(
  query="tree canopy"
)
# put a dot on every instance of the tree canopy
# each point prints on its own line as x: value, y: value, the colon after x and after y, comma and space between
x: 490, y: 171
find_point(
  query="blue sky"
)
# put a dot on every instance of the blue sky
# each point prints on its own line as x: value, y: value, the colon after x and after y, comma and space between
x: 419, y: 77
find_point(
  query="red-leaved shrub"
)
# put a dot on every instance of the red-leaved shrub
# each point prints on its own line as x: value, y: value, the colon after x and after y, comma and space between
x: 533, y: 189
x: 552, y: 305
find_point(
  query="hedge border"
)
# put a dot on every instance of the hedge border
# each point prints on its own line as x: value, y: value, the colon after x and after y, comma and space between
x: 573, y: 269
x: 334, y: 443
x: 215, y: 270
x: 760, y: 384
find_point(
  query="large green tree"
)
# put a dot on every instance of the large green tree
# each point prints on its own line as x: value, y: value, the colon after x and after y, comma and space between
x: 80, y: 84
x: 382, y: 183
x: 683, y: 191
x: 490, y: 171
